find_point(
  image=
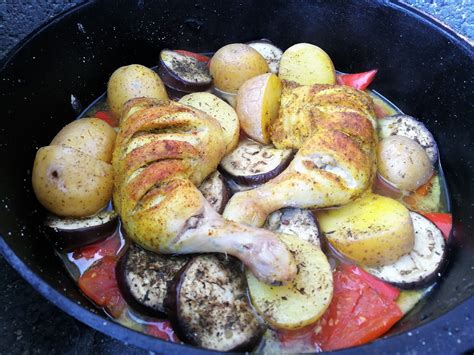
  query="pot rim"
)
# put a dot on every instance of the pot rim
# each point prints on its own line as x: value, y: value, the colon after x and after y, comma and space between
x: 147, y: 342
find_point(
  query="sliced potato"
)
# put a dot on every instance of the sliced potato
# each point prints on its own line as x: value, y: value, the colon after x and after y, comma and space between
x: 302, y: 301
x: 221, y: 111
x: 234, y: 64
x: 258, y: 102
x: 133, y: 81
x: 307, y: 64
x: 91, y: 136
x: 373, y: 230
x: 70, y: 183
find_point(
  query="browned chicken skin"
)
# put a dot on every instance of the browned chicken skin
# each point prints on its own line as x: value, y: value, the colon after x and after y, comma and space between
x: 163, y: 151
x: 334, y: 129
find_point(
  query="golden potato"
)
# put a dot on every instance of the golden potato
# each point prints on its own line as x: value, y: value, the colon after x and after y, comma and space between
x: 91, y: 136
x: 307, y: 64
x: 221, y: 111
x: 305, y: 298
x: 403, y: 162
x: 373, y: 230
x: 258, y: 102
x: 70, y: 183
x: 130, y: 82
x: 234, y: 64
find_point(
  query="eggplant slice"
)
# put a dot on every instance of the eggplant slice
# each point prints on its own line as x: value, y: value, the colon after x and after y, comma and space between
x: 208, y: 305
x: 183, y: 73
x: 423, y: 264
x: 252, y: 163
x: 143, y: 277
x: 68, y: 234
x: 215, y: 191
x: 410, y: 127
x: 296, y: 221
x: 270, y: 52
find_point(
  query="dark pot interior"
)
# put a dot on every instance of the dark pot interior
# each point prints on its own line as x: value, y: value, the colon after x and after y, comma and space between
x: 425, y: 69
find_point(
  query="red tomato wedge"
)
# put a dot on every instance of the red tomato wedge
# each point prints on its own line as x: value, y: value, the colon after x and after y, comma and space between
x: 199, y: 57
x: 385, y: 290
x: 359, y: 81
x: 358, y: 313
x: 100, y: 285
x: 162, y: 330
x: 444, y: 221
x: 107, y: 247
x: 107, y: 117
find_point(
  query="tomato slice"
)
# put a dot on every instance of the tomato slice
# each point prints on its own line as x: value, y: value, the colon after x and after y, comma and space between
x: 162, y: 330
x: 199, y: 57
x: 107, y: 247
x: 359, y: 81
x: 107, y: 117
x: 444, y: 221
x: 385, y: 290
x: 100, y: 285
x: 358, y: 313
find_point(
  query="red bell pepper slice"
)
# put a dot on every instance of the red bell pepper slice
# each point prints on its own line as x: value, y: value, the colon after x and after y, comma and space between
x: 162, y: 330
x: 100, y: 285
x: 359, y: 81
x: 359, y: 313
x: 107, y: 117
x: 199, y: 57
x: 444, y: 221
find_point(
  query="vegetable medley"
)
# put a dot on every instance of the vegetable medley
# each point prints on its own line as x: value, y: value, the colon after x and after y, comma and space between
x: 255, y: 200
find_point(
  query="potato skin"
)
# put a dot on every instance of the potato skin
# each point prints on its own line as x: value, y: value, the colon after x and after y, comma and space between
x: 70, y: 183
x: 130, y: 82
x: 403, y: 162
x: 373, y: 230
x: 91, y: 136
x: 234, y: 64
x: 258, y: 102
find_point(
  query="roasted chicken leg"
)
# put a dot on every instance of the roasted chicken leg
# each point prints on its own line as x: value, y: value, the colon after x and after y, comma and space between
x: 333, y: 128
x: 163, y: 151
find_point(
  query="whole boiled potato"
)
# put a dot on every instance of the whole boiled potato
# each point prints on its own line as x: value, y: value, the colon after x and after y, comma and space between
x: 130, y: 82
x: 91, y: 136
x: 70, y: 183
x: 234, y: 64
x: 307, y: 64
x: 403, y: 162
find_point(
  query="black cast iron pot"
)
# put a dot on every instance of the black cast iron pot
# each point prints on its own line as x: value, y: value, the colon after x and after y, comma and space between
x: 424, y: 68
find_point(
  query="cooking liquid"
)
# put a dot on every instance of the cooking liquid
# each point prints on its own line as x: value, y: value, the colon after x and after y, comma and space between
x: 76, y: 264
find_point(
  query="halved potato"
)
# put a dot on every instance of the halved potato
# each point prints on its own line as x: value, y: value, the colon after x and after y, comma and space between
x: 302, y: 301
x: 221, y: 111
x: 234, y: 64
x: 91, y: 136
x: 258, y: 102
x: 373, y: 230
x: 307, y: 64
x: 70, y: 183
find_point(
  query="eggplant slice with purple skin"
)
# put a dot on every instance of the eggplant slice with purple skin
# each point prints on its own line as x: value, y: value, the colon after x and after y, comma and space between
x: 208, y: 305
x: 183, y: 73
x: 68, y: 234
x: 270, y: 52
x: 252, y: 163
x: 143, y: 278
x: 296, y: 221
x: 423, y: 265
x: 410, y: 127
x: 215, y: 191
